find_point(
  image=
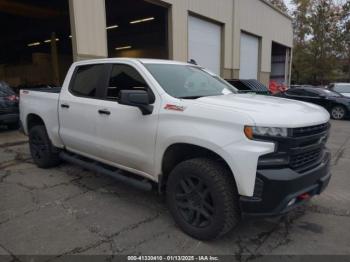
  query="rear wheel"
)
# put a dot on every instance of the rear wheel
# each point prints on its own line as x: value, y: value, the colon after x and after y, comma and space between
x: 338, y: 112
x: 202, y: 198
x: 44, y: 154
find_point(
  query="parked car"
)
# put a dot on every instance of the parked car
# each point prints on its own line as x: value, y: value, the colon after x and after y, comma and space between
x: 276, y: 87
x: 298, y: 86
x: 342, y: 88
x: 336, y: 104
x: 249, y: 86
x: 216, y: 154
x: 9, y: 113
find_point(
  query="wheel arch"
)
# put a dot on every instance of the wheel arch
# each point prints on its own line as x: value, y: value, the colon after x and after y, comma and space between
x: 179, y: 152
x: 33, y: 120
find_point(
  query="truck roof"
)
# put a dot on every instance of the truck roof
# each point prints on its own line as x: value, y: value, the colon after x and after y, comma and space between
x: 142, y: 60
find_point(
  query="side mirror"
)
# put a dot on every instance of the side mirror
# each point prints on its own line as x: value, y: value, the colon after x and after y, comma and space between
x: 137, y: 98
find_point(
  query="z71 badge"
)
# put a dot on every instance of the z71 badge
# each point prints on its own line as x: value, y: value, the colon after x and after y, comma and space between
x: 174, y: 107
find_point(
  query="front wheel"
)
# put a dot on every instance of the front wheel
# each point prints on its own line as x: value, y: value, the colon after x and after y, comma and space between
x: 338, y: 112
x: 202, y: 197
x: 44, y: 154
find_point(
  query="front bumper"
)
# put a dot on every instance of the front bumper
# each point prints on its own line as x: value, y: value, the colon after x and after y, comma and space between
x: 9, y: 118
x: 280, y: 190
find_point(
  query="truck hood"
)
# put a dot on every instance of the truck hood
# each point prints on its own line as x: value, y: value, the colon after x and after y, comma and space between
x: 271, y: 111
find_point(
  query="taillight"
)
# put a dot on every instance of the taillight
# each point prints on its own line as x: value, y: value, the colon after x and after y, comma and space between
x: 12, y: 98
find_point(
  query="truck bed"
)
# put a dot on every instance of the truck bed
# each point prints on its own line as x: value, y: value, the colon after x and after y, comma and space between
x: 42, y: 102
x: 56, y: 90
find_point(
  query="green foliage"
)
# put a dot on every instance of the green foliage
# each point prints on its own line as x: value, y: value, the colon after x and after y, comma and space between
x: 321, y: 41
x: 280, y: 5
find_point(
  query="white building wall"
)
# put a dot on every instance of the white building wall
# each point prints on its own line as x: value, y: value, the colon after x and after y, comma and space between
x: 88, y: 22
x: 219, y: 11
x: 259, y: 18
x: 88, y: 27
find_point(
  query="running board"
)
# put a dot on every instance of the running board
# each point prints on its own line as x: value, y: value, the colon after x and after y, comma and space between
x: 117, y: 174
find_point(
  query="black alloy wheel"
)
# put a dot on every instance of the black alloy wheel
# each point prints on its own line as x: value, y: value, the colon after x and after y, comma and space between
x: 44, y: 154
x: 203, y: 199
x: 195, y: 202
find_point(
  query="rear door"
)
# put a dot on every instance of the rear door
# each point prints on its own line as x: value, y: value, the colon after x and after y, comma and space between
x: 78, y: 109
x: 127, y: 138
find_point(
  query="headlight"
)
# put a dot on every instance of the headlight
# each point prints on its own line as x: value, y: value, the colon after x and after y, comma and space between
x: 251, y: 131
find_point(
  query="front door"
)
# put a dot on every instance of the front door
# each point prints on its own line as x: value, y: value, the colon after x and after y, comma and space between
x: 126, y: 137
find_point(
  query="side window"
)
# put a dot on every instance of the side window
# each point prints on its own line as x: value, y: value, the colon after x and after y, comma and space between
x: 124, y: 77
x: 311, y: 94
x: 87, y: 80
x: 296, y: 92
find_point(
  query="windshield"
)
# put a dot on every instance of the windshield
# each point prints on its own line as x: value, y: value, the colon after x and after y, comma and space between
x: 329, y: 93
x: 342, y: 88
x: 189, y: 82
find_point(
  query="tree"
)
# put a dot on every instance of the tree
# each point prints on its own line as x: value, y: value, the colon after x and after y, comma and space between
x: 280, y: 5
x: 301, y: 58
x: 323, y: 45
x: 345, y: 38
x: 318, y: 41
x: 300, y: 20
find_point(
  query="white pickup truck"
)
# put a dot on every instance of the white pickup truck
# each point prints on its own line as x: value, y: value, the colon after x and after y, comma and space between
x: 216, y: 154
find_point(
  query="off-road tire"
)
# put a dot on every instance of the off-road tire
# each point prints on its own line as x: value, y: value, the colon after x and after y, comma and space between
x: 44, y: 154
x: 223, y: 196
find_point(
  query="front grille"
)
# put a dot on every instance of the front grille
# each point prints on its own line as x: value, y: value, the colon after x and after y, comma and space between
x: 304, y: 159
x: 310, y: 130
x: 301, y: 151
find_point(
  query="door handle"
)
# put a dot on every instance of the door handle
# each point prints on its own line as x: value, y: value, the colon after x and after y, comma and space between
x: 104, y: 112
x: 64, y: 106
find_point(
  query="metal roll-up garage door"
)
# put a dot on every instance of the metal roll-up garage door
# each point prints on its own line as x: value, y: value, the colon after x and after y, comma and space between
x: 204, y: 43
x: 249, y: 57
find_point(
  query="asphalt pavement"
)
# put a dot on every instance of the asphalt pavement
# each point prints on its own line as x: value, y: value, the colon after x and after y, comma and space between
x: 68, y: 210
